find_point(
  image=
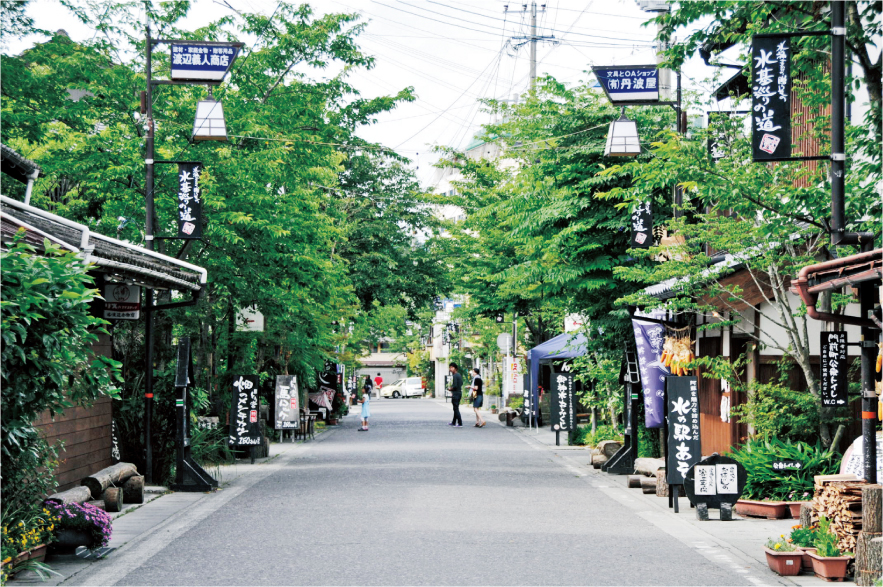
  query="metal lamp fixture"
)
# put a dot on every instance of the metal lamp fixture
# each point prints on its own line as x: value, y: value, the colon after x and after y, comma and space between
x: 209, y: 124
x: 622, y: 138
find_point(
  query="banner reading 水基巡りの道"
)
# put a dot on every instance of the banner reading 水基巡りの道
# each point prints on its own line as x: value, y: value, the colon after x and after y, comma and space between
x: 770, y: 97
x: 189, y: 200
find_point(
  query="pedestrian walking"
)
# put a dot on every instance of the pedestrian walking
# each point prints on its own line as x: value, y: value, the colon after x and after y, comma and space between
x: 456, y: 390
x: 366, y: 404
x: 477, y: 394
x: 378, y: 383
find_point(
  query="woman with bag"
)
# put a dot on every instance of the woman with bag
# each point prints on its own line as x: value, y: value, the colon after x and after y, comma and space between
x: 477, y: 397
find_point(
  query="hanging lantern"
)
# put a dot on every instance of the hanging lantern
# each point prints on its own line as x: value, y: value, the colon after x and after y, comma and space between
x: 622, y: 138
x: 209, y: 124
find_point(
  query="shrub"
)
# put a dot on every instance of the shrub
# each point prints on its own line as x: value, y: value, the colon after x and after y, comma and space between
x: 801, y: 536
x: 826, y: 541
x: 757, y: 456
x: 779, y: 544
x: 583, y: 436
x: 516, y: 402
x: 83, y: 517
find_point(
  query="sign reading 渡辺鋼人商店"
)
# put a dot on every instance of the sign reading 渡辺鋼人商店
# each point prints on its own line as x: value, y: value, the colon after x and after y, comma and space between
x: 684, y: 445
x: 189, y: 200
x: 563, y: 400
x: 244, y: 427
x: 770, y: 97
x: 629, y: 84
x: 832, y: 359
x: 287, y: 402
x: 196, y: 61
x: 122, y: 301
x: 641, y: 222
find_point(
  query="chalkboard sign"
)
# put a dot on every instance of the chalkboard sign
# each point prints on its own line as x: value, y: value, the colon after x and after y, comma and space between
x: 714, y: 481
x: 684, y: 445
x: 244, y: 427
x: 563, y: 401
x: 833, y: 367
x: 287, y: 403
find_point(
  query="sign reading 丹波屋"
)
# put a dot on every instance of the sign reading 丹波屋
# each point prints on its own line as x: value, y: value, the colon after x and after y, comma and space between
x: 833, y: 366
x: 771, y: 97
x: 641, y: 222
x: 122, y: 302
x: 244, y: 427
x: 194, y: 61
x: 684, y: 447
x: 287, y: 402
x: 563, y: 400
x: 629, y: 84
x: 189, y: 201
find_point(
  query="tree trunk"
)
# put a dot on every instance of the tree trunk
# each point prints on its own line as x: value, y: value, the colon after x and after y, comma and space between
x: 113, y: 499
x: 133, y: 489
x: 648, y: 485
x: 872, y: 509
x: 634, y: 481
x: 75, y: 495
x: 114, y: 475
x: 868, y: 557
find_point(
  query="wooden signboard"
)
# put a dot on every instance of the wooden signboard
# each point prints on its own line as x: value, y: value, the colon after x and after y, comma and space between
x: 287, y: 403
x: 684, y: 446
x: 833, y: 366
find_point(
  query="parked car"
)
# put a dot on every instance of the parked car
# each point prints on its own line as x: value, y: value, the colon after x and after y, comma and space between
x: 406, y: 387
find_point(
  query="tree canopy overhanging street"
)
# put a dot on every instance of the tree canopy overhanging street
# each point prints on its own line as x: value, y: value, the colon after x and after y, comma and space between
x: 227, y: 225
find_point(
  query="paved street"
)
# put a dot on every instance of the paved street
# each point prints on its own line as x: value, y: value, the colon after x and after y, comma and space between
x: 414, y: 501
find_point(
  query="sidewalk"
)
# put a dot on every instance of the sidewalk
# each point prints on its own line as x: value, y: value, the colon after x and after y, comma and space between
x: 160, y: 505
x: 736, y: 545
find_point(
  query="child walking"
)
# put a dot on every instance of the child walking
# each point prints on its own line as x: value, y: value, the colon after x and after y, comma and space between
x: 366, y: 408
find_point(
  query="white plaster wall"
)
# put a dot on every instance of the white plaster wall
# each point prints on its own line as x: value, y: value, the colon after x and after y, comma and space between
x: 770, y: 331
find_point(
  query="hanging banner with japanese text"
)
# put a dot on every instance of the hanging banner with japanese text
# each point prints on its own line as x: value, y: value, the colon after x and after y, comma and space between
x: 191, y: 62
x: 641, y: 223
x: 770, y: 97
x: 684, y: 446
x: 287, y: 403
x: 629, y: 84
x: 244, y: 427
x: 649, y: 339
x: 563, y: 400
x: 189, y: 200
x: 833, y: 367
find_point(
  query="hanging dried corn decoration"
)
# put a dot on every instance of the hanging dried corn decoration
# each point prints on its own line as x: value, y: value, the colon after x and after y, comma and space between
x: 677, y: 351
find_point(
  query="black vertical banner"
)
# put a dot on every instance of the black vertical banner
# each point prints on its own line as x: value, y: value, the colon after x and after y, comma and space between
x: 682, y: 413
x: 833, y: 368
x: 189, y: 200
x: 642, y: 227
x: 771, y: 97
x: 244, y: 427
x: 563, y: 401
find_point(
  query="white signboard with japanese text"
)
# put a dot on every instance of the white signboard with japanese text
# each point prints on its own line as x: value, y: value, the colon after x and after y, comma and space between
x: 122, y: 302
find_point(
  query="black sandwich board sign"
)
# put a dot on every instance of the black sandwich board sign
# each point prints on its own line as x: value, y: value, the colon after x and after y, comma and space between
x: 287, y: 403
x: 563, y: 400
x: 684, y: 446
x: 244, y: 427
x: 189, y: 475
x: 715, y: 482
x: 833, y: 367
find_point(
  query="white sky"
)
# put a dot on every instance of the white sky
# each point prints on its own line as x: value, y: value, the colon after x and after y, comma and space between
x: 452, y: 52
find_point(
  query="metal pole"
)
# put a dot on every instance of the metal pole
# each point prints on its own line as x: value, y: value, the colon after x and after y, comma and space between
x: 681, y: 129
x: 533, y: 44
x: 838, y: 147
x: 148, y: 238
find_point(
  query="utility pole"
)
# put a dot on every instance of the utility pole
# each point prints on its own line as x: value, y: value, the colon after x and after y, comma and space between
x: 148, y: 242
x: 532, y: 39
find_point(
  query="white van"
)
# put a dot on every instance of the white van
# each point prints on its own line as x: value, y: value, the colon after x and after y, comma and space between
x: 406, y: 387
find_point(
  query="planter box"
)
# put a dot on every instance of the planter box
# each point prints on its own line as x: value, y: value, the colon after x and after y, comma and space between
x: 807, y: 561
x: 829, y: 568
x: 786, y: 564
x: 67, y: 541
x: 794, y: 506
x: 771, y: 510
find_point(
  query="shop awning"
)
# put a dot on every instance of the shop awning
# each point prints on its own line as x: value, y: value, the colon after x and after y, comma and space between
x: 564, y: 346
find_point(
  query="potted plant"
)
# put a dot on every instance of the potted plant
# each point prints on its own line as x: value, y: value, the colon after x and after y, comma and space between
x: 79, y: 524
x: 803, y: 539
x: 828, y: 562
x: 797, y: 499
x: 782, y: 557
x: 24, y: 544
x: 494, y: 409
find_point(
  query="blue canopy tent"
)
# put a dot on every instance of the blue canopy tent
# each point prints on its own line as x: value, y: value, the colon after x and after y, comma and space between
x: 563, y: 346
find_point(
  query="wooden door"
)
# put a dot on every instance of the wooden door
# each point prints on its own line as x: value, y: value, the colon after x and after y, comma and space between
x: 715, y: 433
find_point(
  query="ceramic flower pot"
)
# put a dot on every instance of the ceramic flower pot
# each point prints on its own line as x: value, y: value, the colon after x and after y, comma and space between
x: 807, y: 561
x: 771, y: 510
x: 829, y: 568
x: 784, y: 563
x: 67, y: 541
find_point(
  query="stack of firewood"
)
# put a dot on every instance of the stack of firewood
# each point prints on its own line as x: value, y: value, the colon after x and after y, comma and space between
x: 841, y: 503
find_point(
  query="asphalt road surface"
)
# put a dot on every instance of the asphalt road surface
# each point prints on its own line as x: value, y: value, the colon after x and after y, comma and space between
x: 415, y: 502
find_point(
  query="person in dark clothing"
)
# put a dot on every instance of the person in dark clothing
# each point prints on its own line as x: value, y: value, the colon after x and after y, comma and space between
x: 477, y: 388
x: 456, y: 389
